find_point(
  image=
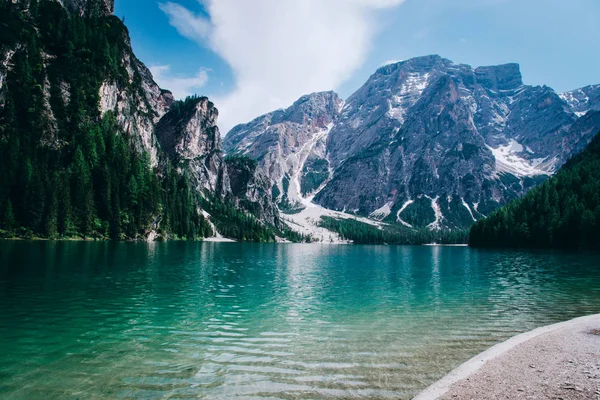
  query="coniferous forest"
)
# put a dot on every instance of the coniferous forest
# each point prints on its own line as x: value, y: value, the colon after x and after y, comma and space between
x: 76, y: 174
x: 564, y: 212
x: 363, y: 233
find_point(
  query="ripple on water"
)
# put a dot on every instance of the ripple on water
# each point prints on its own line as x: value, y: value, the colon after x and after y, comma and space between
x: 184, y: 320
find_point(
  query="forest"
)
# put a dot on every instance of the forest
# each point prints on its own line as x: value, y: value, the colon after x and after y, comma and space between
x: 67, y: 172
x: 564, y: 212
x: 363, y: 233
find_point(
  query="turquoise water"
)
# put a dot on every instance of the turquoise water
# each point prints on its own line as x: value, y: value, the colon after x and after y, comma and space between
x: 250, y: 321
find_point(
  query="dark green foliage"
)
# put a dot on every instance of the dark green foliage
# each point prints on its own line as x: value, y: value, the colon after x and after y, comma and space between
x: 362, y: 233
x: 244, y: 168
x: 315, y: 172
x: 66, y: 172
x: 564, y: 212
x: 181, y: 108
x: 419, y: 213
x: 284, y: 204
x: 233, y: 223
x: 456, y: 214
x: 275, y: 193
x: 240, y: 225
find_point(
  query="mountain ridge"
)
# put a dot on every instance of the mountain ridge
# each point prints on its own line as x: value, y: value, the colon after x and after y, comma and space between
x: 429, y: 143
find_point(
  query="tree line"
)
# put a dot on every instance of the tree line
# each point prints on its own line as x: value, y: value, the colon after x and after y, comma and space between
x: 564, y: 212
x: 363, y: 233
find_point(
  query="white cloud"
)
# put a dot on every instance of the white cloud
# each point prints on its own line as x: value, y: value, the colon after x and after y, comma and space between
x: 180, y: 86
x: 280, y: 50
x: 186, y: 23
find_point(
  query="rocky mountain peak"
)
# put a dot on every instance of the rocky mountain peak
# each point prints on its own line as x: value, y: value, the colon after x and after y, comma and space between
x: 499, y: 77
x: 321, y: 108
x: 424, y: 143
x: 189, y: 129
x: 417, y: 64
x: 188, y: 134
x: 290, y: 145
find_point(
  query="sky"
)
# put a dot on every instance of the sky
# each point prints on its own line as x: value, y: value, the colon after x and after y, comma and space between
x: 255, y: 56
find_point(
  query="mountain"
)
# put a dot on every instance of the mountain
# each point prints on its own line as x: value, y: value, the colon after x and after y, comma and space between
x: 564, y: 212
x: 290, y: 145
x: 423, y: 143
x: 583, y: 100
x: 91, y: 146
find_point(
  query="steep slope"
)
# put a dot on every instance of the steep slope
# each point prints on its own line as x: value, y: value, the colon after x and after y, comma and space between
x: 564, y: 212
x: 80, y: 123
x: 427, y: 142
x: 252, y: 189
x: 290, y: 146
x: 188, y: 134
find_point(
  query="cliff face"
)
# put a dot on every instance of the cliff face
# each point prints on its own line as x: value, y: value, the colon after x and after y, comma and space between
x: 189, y: 136
x: 427, y: 142
x: 290, y: 146
x: 252, y: 189
x: 137, y: 111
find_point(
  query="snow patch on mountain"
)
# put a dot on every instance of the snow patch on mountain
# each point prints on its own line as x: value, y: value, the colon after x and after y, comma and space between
x: 437, y: 224
x: 583, y: 100
x: 383, y: 212
x: 296, y: 162
x: 409, y: 93
x: 401, y: 210
x: 464, y: 203
x: 307, y: 222
x: 508, y: 160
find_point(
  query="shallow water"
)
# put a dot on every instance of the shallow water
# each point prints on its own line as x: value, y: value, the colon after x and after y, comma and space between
x: 251, y: 321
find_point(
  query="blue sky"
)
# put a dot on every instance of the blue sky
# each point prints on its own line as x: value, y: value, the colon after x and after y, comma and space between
x: 253, y: 56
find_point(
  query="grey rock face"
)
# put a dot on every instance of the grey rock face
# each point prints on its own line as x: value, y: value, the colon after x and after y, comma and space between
x: 188, y: 134
x: 137, y: 112
x: 290, y: 145
x: 251, y: 189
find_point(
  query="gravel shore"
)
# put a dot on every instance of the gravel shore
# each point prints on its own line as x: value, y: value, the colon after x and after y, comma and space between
x: 560, y: 361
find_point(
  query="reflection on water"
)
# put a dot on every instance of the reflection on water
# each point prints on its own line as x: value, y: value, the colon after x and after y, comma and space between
x: 249, y: 321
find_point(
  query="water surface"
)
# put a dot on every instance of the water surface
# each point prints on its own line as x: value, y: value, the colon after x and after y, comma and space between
x: 251, y: 321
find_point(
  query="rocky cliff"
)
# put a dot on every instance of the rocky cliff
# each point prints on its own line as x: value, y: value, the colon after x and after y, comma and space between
x: 251, y: 189
x: 289, y: 145
x: 189, y: 136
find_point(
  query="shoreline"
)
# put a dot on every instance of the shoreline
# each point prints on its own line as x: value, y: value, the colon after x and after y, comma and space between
x: 473, y: 374
x: 217, y: 240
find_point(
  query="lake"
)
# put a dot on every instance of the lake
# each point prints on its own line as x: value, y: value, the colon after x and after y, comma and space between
x: 265, y: 321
